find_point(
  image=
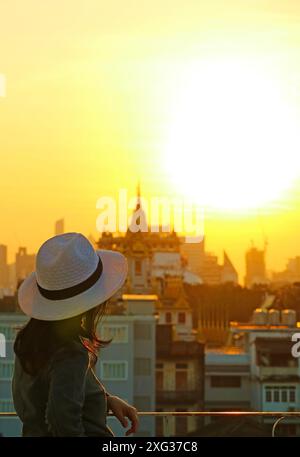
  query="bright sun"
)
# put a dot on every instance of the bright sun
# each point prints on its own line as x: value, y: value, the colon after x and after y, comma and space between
x: 233, y: 138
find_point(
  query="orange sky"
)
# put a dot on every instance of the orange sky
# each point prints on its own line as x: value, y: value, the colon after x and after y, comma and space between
x: 92, y: 88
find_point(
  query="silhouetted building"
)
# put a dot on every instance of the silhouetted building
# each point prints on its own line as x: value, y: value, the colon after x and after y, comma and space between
x: 150, y: 255
x: 4, y: 280
x: 255, y: 267
x: 211, y: 270
x: 228, y: 272
x: 25, y: 264
x: 291, y: 273
x: 214, y: 307
x: 193, y: 254
x: 59, y: 227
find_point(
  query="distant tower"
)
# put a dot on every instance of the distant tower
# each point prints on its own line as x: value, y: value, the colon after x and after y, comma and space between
x: 3, y: 266
x: 229, y: 273
x: 194, y: 254
x: 59, y: 227
x: 138, y: 219
x: 255, y: 267
x: 25, y: 264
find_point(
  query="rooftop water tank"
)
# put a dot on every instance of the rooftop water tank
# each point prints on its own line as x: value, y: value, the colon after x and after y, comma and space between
x: 260, y: 316
x: 274, y: 317
x: 289, y: 317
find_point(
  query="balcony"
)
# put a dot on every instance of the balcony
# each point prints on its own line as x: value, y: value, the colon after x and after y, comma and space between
x: 178, y: 397
x: 277, y: 416
x: 191, y: 349
x: 280, y: 372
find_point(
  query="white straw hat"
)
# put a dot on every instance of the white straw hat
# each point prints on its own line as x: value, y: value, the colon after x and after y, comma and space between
x: 70, y: 278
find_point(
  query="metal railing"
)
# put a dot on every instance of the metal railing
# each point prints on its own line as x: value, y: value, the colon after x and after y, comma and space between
x: 279, y: 416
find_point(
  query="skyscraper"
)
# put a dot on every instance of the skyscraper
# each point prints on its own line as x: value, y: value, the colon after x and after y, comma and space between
x: 25, y: 264
x: 3, y: 266
x: 59, y: 227
x: 255, y: 267
x: 229, y: 273
x: 194, y: 254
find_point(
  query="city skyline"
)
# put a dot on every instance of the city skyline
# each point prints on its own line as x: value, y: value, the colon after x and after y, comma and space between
x: 105, y: 101
x: 256, y: 266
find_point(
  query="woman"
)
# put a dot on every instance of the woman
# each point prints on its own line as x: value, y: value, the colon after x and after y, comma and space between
x: 55, y: 389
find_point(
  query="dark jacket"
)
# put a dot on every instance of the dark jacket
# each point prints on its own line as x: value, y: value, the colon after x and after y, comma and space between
x: 64, y: 399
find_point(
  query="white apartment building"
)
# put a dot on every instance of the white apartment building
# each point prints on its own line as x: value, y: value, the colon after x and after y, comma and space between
x: 256, y: 371
x: 126, y: 367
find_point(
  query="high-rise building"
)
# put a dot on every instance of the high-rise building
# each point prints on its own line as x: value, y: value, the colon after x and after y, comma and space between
x: 3, y: 267
x: 228, y: 273
x: 206, y: 266
x: 291, y: 273
x: 59, y: 227
x: 255, y: 267
x: 211, y: 272
x: 193, y: 254
x: 25, y: 264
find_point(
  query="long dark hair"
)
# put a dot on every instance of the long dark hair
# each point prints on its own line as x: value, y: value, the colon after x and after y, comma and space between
x: 38, y: 340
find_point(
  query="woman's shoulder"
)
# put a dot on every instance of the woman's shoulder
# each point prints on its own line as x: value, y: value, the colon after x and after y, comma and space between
x: 73, y: 351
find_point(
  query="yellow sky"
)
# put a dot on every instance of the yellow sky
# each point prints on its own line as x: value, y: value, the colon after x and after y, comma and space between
x: 90, y: 91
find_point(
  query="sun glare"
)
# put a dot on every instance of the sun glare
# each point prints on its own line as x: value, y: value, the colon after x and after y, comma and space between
x: 232, y: 141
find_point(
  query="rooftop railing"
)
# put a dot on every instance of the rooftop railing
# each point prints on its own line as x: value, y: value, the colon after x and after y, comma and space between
x: 277, y: 416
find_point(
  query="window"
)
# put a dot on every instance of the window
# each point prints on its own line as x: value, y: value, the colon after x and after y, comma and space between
x: 138, y: 267
x: 226, y: 381
x: 181, y: 366
x: 168, y: 317
x: 268, y: 396
x: 142, y: 331
x: 114, y: 371
x: 181, y: 318
x: 284, y: 396
x: 159, y: 380
x: 6, y: 369
x: 280, y: 393
x: 117, y: 332
x: 181, y: 377
x: 159, y: 374
x: 142, y: 367
x: 292, y: 398
x: 181, y: 380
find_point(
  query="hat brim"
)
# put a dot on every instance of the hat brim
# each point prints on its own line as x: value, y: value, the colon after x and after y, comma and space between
x: 113, y: 276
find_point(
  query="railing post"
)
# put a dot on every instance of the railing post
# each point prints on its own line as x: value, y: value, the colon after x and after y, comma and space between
x: 166, y: 426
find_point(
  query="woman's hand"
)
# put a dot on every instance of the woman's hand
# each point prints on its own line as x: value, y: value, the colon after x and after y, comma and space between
x: 122, y: 410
